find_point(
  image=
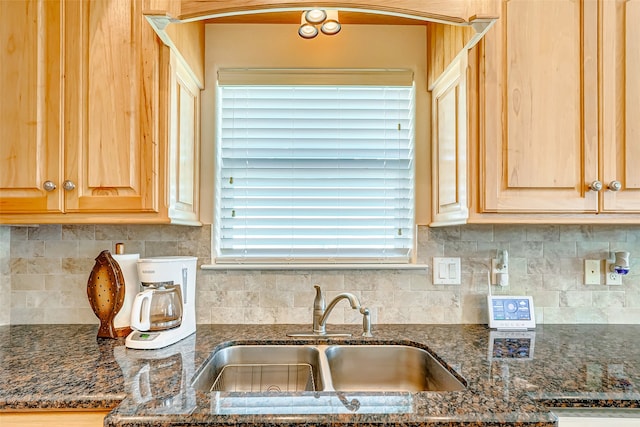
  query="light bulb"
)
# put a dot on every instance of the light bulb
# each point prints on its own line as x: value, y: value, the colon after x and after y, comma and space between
x: 306, y: 30
x: 315, y: 16
x: 331, y: 26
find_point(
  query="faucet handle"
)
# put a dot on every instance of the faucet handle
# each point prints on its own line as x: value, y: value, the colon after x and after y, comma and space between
x: 366, y: 322
x: 318, y: 301
x: 318, y: 311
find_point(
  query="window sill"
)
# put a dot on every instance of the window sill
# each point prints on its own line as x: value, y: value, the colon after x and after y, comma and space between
x: 315, y: 267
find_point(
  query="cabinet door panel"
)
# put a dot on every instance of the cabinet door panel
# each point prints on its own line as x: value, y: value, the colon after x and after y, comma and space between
x: 30, y: 81
x: 184, y: 143
x: 621, y: 103
x: 632, y: 93
x: 541, y: 133
x: 449, y: 145
x: 540, y: 108
x: 111, y: 153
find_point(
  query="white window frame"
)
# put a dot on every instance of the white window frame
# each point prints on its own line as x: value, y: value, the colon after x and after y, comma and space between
x: 317, y: 77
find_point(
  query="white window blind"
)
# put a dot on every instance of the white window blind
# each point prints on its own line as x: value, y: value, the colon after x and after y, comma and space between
x: 314, y: 174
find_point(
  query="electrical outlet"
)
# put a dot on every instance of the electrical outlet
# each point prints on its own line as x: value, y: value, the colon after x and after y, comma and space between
x: 591, y: 271
x: 612, y: 278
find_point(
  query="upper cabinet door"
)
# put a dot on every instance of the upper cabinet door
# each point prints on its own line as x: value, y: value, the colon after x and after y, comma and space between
x: 539, y: 149
x: 449, y: 145
x: 184, y: 145
x: 110, y: 101
x: 30, y: 112
x: 621, y: 104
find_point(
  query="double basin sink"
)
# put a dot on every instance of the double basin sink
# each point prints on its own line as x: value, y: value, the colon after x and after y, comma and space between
x: 342, y: 368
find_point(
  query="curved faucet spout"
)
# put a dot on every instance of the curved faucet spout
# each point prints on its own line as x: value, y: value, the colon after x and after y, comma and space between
x: 320, y: 327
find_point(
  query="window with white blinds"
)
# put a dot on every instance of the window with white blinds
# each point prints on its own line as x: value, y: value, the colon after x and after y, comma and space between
x: 314, y: 174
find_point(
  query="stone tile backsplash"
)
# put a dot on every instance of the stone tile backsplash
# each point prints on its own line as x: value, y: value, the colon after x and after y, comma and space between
x: 5, y: 276
x: 44, y: 271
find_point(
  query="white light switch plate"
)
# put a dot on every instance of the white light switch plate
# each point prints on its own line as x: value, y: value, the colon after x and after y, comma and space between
x: 446, y: 271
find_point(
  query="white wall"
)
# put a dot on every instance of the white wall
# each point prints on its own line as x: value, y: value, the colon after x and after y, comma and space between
x: 279, y: 46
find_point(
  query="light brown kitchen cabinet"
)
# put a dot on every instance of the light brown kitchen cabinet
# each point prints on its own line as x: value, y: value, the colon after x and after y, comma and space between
x: 30, y: 112
x: 184, y: 145
x: 449, y: 145
x: 60, y: 418
x: 540, y: 114
x: 110, y: 102
x: 82, y: 141
x: 621, y: 104
x: 557, y: 114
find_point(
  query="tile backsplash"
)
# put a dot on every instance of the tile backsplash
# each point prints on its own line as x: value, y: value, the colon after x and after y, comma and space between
x: 5, y: 275
x: 44, y: 272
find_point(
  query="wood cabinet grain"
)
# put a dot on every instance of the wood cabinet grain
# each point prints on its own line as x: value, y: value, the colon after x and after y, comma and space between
x: 460, y: 11
x: 620, y: 103
x: 557, y: 111
x: 30, y: 112
x: 449, y: 189
x: 61, y: 418
x: 184, y: 145
x: 84, y: 86
x: 110, y: 100
x: 540, y: 119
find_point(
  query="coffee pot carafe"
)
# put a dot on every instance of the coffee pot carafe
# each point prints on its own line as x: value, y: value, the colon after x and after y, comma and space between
x: 157, y: 308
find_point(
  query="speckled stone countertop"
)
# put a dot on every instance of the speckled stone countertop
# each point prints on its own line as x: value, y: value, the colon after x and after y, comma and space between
x: 66, y: 367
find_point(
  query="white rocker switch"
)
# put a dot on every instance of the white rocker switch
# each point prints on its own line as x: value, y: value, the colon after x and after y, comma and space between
x: 446, y: 271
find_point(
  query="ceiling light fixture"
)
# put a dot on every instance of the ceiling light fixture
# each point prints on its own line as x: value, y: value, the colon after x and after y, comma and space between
x: 315, y: 16
x: 331, y: 25
x: 328, y: 21
x: 306, y: 30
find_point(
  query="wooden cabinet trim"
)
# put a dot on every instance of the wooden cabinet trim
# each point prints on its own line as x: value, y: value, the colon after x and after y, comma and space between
x: 457, y: 12
x: 70, y: 418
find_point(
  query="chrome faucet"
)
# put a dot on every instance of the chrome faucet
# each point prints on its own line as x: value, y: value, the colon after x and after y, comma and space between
x: 321, y: 313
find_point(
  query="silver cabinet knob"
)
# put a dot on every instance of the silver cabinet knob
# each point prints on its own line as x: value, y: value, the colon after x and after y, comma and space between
x: 49, y: 186
x: 615, y: 186
x: 68, y: 185
x: 595, y: 186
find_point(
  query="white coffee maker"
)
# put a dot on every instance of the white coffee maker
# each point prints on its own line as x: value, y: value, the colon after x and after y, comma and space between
x: 164, y: 311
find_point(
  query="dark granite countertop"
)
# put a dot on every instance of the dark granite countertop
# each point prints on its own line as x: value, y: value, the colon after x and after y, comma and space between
x: 66, y: 367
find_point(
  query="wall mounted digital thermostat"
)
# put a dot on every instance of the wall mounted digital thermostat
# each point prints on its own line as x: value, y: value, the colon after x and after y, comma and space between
x: 511, y: 312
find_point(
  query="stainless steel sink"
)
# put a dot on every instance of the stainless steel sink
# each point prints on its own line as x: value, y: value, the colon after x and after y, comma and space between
x: 293, y: 368
x: 262, y: 368
x: 387, y: 368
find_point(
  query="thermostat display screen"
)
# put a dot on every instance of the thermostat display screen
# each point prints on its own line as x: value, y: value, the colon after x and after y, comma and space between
x: 511, y: 312
x: 511, y: 309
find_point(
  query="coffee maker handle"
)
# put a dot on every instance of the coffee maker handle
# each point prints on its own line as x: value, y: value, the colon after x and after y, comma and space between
x: 140, y: 312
